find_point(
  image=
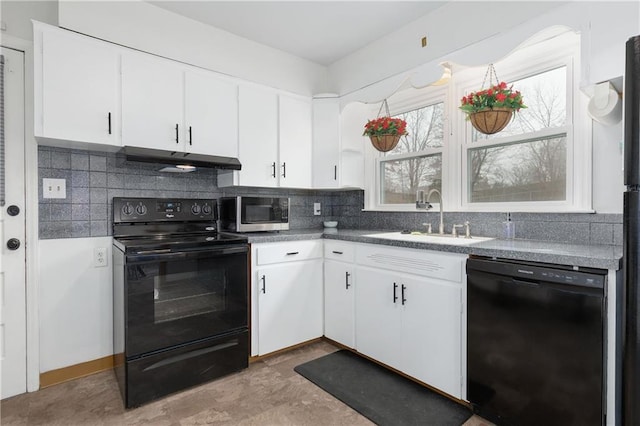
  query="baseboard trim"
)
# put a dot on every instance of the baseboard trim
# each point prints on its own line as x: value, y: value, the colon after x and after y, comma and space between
x: 76, y: 371
x: 256, y: 358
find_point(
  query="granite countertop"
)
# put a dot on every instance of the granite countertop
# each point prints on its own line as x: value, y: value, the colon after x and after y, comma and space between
x: 592, y: 256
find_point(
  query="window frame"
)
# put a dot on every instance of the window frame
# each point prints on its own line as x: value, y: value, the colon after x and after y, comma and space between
x: 405, y: 102
x: 522, y: 63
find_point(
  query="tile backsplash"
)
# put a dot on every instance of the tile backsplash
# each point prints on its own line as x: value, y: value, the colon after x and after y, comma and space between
x: 94, y: 178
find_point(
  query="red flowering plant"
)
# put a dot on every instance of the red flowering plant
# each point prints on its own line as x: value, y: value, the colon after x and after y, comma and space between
x: 385, y: 126
x: 498, y: 96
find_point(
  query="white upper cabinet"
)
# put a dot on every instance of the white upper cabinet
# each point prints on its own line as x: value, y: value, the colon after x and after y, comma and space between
x: 152, y: 103
x: 76, y: 88
x: 167, y: 105
x: 294, y: 142
x: 326, y: 142
x: 258, y: 136
x: 274, y: 140
x: 211, y: 114
x: 338, y: 150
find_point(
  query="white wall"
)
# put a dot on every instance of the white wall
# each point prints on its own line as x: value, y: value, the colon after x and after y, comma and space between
x: 604, y: 28
x: 17, y: 16
x: 448, y: 29
x: 75, y: 302
x: 149, y: 28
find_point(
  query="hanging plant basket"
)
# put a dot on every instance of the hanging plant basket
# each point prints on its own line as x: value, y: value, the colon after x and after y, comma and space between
x: 491, y: 120
x: 385, y: 132
x: 490, y: 110
x: 384, y: 143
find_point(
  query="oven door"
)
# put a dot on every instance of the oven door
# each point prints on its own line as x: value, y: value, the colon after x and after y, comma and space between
x: 180, y: 297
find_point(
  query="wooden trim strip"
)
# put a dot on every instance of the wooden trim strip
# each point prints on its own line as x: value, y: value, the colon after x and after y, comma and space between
x: 76, y: 371
x: 253, y: 359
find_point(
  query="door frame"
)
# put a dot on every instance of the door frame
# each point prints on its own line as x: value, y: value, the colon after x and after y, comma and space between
x: 31, y: 214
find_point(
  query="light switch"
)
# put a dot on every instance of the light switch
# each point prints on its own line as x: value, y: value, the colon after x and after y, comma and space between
x: 54, y: 188
x: 317, y: 211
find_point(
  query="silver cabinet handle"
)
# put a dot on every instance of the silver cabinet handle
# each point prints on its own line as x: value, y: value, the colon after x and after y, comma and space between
x: 346, y: 280
x: 264, y: 284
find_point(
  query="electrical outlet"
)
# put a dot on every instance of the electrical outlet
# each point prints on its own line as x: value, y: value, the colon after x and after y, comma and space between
x: 317, y: 211
x: 54, y: 188
x: 100, y: 257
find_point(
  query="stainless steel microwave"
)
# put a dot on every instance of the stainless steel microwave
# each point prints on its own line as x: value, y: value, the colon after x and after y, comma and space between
x: 251, y: 214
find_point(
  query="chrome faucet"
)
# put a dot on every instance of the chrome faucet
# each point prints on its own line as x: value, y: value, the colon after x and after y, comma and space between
x: 421, y: 203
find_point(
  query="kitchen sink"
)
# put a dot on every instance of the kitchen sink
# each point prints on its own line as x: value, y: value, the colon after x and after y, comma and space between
x: 420, y: 237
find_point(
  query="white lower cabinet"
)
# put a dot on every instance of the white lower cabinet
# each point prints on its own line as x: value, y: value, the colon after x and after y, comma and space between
x: 287, y: 295
x: 411, y: 322
x: 339, y: 302
x: 339, y: 292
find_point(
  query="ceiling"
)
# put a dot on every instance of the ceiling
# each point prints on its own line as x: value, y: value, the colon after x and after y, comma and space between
x: 320, y: 31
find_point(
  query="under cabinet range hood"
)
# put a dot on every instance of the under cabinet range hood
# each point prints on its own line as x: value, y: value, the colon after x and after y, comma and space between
x: 176, y: 158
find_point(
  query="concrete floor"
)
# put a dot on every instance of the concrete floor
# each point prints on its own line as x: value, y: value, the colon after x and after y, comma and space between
x: 269, y: 392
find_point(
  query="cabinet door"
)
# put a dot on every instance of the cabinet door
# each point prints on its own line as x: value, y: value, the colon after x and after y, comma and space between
x: 294, y: 142
x: 79, y: 92
x: 352, y: 144
x: 211, y: 115
x: 258, y: 137
x: 289, y: 304
x: 339, y: 303
x: 152, y: 102
x: 431, y: 333
x: 326, y: 142
x: 378, y: 316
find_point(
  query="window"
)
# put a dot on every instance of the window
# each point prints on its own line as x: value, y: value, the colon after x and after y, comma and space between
x: 416, y: 162
x: 531, y: 164
x: 540, y: 162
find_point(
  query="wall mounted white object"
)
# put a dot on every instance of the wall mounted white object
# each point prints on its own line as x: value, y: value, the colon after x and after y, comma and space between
x: 605, y: 105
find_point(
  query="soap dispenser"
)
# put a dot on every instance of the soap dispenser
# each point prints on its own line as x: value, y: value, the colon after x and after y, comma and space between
x: 508, y: 228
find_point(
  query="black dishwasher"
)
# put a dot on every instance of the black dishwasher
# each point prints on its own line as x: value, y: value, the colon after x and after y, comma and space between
x: 535, y: 343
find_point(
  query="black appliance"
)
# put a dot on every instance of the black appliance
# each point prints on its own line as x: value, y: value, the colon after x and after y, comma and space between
x: 631, y: 236
x: 179, y: 158
x: 535, y: 343
x: 252, y: 214
x: 180, y: 297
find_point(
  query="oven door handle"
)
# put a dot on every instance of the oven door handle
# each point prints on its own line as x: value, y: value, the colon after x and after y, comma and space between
x: 163, y: 254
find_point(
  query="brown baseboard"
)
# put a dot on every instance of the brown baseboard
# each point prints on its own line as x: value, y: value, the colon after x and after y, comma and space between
x: 281, y: 351
x: 65, y: 374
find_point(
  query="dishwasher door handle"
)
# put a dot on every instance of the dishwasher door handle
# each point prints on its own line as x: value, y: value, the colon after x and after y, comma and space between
x: 516, y: 281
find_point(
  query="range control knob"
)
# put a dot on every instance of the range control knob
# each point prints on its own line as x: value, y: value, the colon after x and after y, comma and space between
x: 206, y: 209
x: 141, y: 209
x: 195, y: 209
x: 127, y: 209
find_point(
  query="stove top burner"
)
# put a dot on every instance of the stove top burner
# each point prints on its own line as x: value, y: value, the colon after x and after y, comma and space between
x: 171, y: 224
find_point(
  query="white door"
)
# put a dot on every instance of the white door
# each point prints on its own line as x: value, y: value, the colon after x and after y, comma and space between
x: 258, y: 133
x: 211, y: 114
x: 339, y: 299
x: 326, y: 142
x: 79, y: 89
x: 152, y: 103
x: 289, y: 304
x: 431, y: 327
x: 295, y: 142
x: 13, y: 350
x: 378, y: 304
